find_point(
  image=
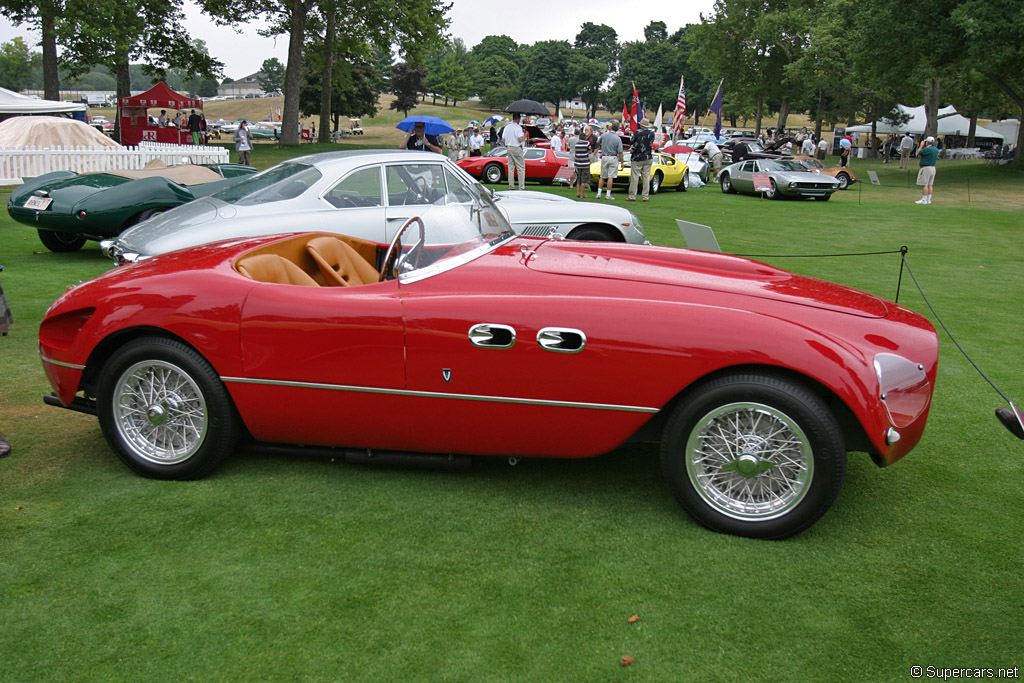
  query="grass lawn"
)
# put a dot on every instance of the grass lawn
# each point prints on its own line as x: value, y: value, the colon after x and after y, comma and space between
x: 279, y: 567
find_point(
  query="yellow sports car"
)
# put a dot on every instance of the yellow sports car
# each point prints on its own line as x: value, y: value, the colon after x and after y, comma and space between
x: 666, y: 171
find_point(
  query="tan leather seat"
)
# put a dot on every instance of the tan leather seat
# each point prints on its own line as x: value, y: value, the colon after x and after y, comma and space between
x: 340, y: 264
x: 274, y: 268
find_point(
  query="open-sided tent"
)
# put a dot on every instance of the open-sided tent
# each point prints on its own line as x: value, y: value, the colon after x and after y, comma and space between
x: 12, y: 103
x: 134, y: 113
x: 948, y: 125
x: 50, y: 131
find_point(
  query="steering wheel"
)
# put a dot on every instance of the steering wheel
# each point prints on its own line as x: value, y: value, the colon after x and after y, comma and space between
x: 395, y: 245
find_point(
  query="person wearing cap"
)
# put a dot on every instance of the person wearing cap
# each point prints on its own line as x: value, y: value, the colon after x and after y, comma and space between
x: 243, y: 142
x: 640, y: 160
x: 418, y: 139
x: 476, y: 143
x: 927, y: 154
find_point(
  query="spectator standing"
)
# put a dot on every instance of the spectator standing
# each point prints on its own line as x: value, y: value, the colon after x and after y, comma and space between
x: 243, y: 142
x: 844, y: 151
x: 195, y: 126
x: 807, y: 147
x: 463, y: 140
x: 611, y: 158
x: 417, y: 139
x: 452, y: 143
x: 494, y: 136
x: 740, y: 152
x: 887, y: 148
x: 570, y: 146
x: 556, y: 141
x: 581, y: 160
x: 714, y: 154
x: 927, y: 154
x: 476, y: 143
x: 822, y: 149
x: 162, y: 120
x: 514, y: 137
x: 906, y: 144
x: 640, y: 160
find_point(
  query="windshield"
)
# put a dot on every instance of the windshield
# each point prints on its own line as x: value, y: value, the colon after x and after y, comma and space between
x: 444, y: 236
x: 284, y: 181
x: 782, y: 165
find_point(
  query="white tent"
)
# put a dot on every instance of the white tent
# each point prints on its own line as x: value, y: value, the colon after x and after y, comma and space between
x: 16, y: 103
x: 948, y: 125
x: 50, y: 131
x: 1008, y: 128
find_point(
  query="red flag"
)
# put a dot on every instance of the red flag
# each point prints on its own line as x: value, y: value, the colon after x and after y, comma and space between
x: 625, y: 118
x: 636, y: 105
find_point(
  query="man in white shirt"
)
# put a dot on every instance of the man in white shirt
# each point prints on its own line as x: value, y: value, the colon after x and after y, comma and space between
x: 807, y: 147
x: 476, y: 143
x: 822, y: 149
x: 162, y: 120
x: 714, y: 154
x: 906, y: 144
x: 514, y: 137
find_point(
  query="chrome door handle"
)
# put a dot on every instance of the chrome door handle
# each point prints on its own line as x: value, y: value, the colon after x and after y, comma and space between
x: 562, y: 339
x: 492, y: 336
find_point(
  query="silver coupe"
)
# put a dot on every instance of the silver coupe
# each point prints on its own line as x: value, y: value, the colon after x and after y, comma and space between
x: 775, y: 179
x: 367, y: 194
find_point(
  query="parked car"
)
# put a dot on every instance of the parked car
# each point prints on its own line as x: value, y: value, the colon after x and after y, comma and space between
x: 785, y: 178
x: 459, y: 338
x: 69, y: 208
x: 666, y: 171
x: 541, y: 165
x: 755, y: 150
x: 843, y: 174
x: 362, y: 193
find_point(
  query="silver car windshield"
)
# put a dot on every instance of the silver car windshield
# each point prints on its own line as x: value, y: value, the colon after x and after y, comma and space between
x: 284, y: 181
x: 781, y: 165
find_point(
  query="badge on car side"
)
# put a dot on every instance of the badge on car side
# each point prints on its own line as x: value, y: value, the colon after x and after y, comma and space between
x: 446, y: 374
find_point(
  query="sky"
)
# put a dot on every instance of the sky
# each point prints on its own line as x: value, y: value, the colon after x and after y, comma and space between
x: 243, y: 54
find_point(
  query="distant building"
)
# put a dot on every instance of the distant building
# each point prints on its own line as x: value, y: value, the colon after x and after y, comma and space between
x: 247, y: 85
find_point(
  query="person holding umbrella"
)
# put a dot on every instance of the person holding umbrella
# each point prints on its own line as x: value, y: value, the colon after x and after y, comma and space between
x: 514, y: 137
x: 418, y: 139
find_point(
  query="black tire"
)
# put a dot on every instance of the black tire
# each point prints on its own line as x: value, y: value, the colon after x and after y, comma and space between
x: 592, y: 233
x: 656, y: 182
x: 844, y: 180
x: 773, y: 190
x: 823, y: 198
x: 164, y: 410
x: 726, y: 184
x: 771, y: 434
x: 684, y: 185
x: 493, y: 173
x: 61, y: 242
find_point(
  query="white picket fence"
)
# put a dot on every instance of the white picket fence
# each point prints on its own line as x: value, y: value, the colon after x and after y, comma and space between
x: 18, y: 163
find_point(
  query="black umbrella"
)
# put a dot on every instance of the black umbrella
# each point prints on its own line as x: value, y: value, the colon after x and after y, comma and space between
x: 527, y: 107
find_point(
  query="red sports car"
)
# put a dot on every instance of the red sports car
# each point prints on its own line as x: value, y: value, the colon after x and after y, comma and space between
x: 460, y: 337
x: 541, y: 165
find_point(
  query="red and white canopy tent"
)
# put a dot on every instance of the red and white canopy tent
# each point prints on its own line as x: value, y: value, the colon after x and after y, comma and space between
x: 134, y: 114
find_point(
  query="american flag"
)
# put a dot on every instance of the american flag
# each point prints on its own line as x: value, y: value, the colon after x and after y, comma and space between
x: 680, y: 113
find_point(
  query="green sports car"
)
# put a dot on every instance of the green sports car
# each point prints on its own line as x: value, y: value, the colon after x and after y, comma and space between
x: 68, y: 208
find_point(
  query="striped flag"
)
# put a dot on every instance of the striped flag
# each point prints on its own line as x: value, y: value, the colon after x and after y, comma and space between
x: 636, y: 106
x: 679, y: 115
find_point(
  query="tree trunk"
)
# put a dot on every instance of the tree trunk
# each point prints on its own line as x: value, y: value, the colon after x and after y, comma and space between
x: 932, y: 95
x: 760, y: 116
x: 783, y: 115
x: 124, y: 89
x: 326, y: 84
x: 51, y: 78
x: 817, y: 114
x: 293, y: 72
x: 972, y: 129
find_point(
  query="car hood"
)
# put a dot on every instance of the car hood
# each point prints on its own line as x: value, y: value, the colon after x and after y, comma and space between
x: 701, y: 270
x: 70, y: 189
x: 190, y: 215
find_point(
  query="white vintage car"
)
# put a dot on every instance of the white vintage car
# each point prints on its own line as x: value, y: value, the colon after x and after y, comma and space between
x: 361, y: 193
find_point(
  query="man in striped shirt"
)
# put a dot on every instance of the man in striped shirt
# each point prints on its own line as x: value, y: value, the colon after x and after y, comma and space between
x: 581, y: 159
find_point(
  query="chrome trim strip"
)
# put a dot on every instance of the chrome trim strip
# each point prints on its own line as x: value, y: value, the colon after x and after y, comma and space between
x: 61, y: 363
x: 434, y: 394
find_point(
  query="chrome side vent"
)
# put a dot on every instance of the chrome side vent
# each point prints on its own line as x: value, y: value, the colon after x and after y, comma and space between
x: 562, y: 340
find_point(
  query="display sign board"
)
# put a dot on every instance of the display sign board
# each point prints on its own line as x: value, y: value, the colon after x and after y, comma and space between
x: 762, y: 183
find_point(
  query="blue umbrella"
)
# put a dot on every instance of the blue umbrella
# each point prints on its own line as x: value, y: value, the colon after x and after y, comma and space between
x: 497, y: 118
x: 435, y: 125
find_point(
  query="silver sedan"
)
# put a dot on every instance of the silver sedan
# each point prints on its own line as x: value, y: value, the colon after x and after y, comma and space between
x: 365, y: 193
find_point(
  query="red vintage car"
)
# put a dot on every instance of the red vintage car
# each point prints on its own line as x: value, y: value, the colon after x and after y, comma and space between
x: 460, y: 337
x: 541, y: 165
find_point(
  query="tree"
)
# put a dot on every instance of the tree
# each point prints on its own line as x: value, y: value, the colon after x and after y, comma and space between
x: 595, y: 59
x: 544, y: 76
x: 15, y: 64
x: 271, y: 76
x: 43, y: 15
x: 453, y: 81
x: 494, y: 64
x: 406, y: 84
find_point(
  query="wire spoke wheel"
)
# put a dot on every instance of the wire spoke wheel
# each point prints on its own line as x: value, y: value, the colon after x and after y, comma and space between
x: 160, y: 412
x: 749, y: 461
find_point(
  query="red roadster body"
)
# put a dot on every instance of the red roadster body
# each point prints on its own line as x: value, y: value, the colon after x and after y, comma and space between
x: 541, y: 165
x: 757, y: 381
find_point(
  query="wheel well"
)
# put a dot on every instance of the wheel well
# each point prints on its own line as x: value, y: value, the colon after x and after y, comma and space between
x: 106, y: 348
x: 611, y: 234
x: 853, y: 432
